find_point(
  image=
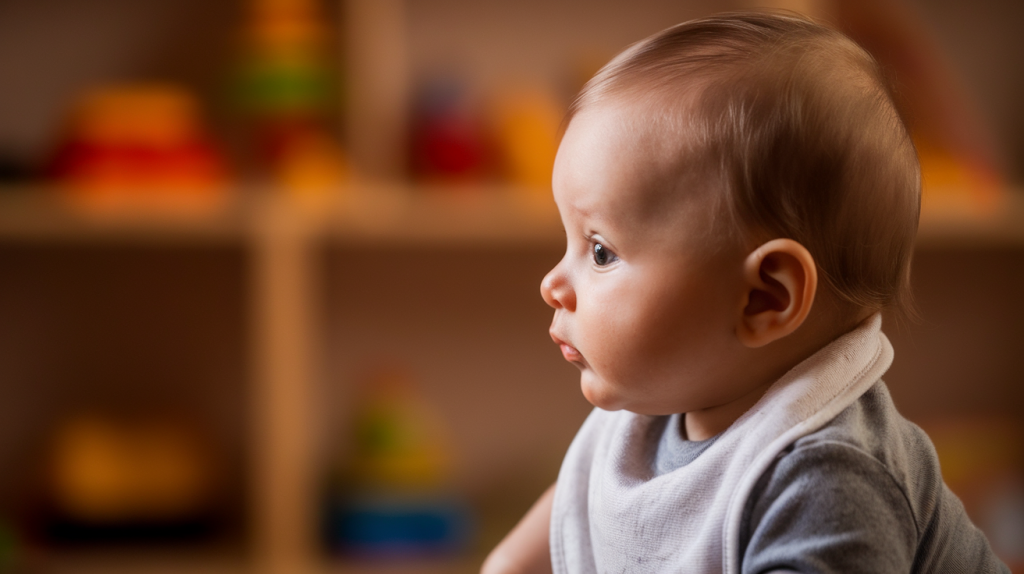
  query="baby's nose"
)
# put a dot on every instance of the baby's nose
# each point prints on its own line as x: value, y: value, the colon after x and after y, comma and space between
x: 556, y: 290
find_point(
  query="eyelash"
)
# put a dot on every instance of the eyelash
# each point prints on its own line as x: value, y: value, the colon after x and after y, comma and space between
x: 598, y: 251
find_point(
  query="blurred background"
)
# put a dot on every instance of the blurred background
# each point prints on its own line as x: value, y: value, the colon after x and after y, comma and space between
x: 269, y: 270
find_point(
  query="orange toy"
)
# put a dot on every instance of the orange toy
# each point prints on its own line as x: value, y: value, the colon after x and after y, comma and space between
x: 138, y: 144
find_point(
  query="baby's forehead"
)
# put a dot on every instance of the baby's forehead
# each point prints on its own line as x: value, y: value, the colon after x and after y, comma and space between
x: 638, y: 162
x: 662, y: 132
x: 653, y: 142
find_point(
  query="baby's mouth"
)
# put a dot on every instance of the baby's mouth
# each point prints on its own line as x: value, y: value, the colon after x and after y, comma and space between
x: 571, y: 354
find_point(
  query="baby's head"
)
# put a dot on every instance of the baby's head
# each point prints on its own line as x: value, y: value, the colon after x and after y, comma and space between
x: 715, y: 180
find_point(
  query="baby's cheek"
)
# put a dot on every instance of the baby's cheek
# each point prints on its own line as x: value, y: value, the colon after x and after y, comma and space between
x: 618, y: 370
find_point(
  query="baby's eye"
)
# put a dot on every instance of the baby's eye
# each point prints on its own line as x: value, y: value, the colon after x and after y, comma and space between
x: 603, y: 256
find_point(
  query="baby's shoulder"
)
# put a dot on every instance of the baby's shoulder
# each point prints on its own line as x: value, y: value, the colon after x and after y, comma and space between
x: 867, y: 479
x: 872, y: 432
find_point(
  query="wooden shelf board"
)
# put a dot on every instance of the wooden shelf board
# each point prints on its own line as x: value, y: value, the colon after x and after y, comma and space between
x: 376, y: 213
x: 402, y: 214
x: 953, y: 224
x: 407, y: 215
x: 38, y: 214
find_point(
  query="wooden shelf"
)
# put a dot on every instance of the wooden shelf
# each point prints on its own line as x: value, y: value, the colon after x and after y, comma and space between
x: 403, y: 214
x: 39, y: 214
x: 370, y: 213
x: 407, y: 214
x: 961, y: 224
x: 277, y: 232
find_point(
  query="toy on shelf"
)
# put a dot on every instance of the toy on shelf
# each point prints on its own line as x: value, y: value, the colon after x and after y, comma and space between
x: 139, y: 144
x: 448, y: 140
x: 116, y: 478
x: 286, y: 90
x: 391, y: 495
x: 960, y: 164
x: 512, y: 138
x: 526, y: 132
x: 953, y: 182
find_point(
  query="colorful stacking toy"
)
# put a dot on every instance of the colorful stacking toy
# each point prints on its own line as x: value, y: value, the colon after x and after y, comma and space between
x: 138, y: 143
x: 391, y: 496
x: 286, y: 90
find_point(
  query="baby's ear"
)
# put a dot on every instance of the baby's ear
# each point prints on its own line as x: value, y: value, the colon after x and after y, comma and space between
x: 780, y: 280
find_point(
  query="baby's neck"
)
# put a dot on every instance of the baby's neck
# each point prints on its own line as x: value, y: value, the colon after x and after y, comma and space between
x: 767, y: 365
x: 706, y: 423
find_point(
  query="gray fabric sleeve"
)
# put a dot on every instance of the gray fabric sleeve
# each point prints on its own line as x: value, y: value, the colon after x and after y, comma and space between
x: 952, y: 543
x: 830, y: 507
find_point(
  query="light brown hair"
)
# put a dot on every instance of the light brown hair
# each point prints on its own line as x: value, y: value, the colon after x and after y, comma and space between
x: 798, y: 123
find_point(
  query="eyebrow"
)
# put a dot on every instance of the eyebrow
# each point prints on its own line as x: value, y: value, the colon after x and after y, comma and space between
x: 582, y: 211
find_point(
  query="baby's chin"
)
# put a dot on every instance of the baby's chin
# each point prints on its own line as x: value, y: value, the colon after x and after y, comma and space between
x: 601, y: 393
x: 609, y: 396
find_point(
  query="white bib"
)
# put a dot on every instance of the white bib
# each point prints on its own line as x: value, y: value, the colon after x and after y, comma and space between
x: 611, y: 515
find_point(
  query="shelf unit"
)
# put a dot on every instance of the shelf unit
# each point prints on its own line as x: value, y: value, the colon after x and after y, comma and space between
x: 279, y: 232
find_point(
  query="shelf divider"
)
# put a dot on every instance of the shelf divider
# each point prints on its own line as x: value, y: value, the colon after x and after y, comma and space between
x: 284, y: 516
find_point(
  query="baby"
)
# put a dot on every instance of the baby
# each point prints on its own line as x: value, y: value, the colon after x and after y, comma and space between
x: 740, y: 199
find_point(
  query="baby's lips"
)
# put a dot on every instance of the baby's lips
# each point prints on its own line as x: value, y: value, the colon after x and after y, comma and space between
x: 570, y: 353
